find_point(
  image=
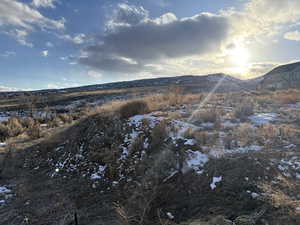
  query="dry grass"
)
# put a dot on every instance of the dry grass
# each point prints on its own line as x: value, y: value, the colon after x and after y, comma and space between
x: 27, y: 122
x: 245, y: 134
x: 4, y: 132
x: 65, y: 118
x: 15, y: 127
x: 159, y: 134
x: 133, y: 108
x: 34, y: 131
x: 244, y: 109
x: 207, y: 115
x: 288, y: 97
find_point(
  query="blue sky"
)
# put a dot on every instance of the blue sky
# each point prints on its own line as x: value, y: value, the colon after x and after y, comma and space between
x: 60, y: 43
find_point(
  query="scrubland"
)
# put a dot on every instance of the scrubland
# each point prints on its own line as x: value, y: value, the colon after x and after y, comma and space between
x: 167, y: 158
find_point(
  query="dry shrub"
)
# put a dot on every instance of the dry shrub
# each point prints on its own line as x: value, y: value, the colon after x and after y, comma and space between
x: 174, y: 115
x: 4, y: 132
x: 202, y: 137
x: 133, y: 108
x: 34, y: 131
x: 27, y: 122
x: 244, y: 109
x: 65, y: 118
x: 188, y: 133
x: 288, y: 97
x: 264, y: 100
x: 230, y: 141
x: 192, y: 98
x: 157, y: 101
x: 246, y: 134
x: 276, y: 134
x: 289, y: 133
x: 204, y: 116
x: 55, y: 122
x: 269, y: 132
x: 159, y: 134
x: 175, y: 96
x: 15, y: 127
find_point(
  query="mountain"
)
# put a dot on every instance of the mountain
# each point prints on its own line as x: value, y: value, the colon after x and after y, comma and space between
x: 193, y: 83
x: 199, y: 82
x: 281, y: 77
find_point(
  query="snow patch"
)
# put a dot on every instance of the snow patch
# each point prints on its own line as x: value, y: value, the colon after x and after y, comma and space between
x: 196, y: 160
x: 245, y: 149
x: 138, y: 119
x: 5, y: 194
x: 98, y: 174
x: 4, y: 118
x: 2, y: 144
x: 263, y: 118
x: 170, y: 215
x: 189, y: 142
x: 214, y: 181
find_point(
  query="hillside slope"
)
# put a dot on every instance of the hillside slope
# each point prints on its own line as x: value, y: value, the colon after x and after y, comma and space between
x: 281, y: 77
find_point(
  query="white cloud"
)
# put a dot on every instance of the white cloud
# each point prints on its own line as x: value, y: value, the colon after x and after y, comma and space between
x: 8, y: 54
x: 190, y: 45
x: 15, y: 13
x: 94, y: 74
x: 52, y: 86
x: 293, y: 35
x: 77, y: 39
x: 4, y: 88
x: 264, y: 18
x: 44, y: 3
x: 133, y: 40
x: 49, y: 44
x: 20, y: 36
x: 45, y: 53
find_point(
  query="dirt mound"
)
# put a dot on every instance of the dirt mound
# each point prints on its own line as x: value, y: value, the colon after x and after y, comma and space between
x: 143, y: 170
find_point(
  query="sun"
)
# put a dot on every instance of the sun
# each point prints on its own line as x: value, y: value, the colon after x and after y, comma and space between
x: 239, y: 59
x: 239, y: 56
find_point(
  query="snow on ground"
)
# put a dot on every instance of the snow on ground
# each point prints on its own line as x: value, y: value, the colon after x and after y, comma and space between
x: 196, y: 160
x: 98, y: 174
x: 245, y: 149
x: 214, y: 181
x: 207, y: 124
x: 3, y: 118
x: 253, y: 194
x: 181, y: 128
x: 5, y: 194
x: 138, y: 120
x: 229, y: 124
x: 170, y: 215
x: 2, y: 144
x: 290, y: 167
x: 190, y: 142
x: 263, y: 118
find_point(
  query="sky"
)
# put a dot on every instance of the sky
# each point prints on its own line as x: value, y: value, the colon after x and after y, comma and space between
x: 66, y: 43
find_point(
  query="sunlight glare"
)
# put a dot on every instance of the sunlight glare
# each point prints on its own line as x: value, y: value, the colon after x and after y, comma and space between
x: 239, y: 56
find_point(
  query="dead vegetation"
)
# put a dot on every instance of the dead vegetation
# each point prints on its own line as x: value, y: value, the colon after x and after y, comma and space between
x: 133, y: 108
x: 136, y: 187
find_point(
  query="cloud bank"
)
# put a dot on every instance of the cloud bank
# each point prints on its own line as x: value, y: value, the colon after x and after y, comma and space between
x: 133, y: 40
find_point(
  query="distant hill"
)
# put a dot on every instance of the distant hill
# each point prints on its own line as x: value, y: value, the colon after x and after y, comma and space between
x: 194, y: 83
x: 281, y: 77
x: 199, y: 82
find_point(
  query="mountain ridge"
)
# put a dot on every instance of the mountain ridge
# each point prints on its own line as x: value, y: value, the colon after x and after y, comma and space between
x: 282, y: 77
